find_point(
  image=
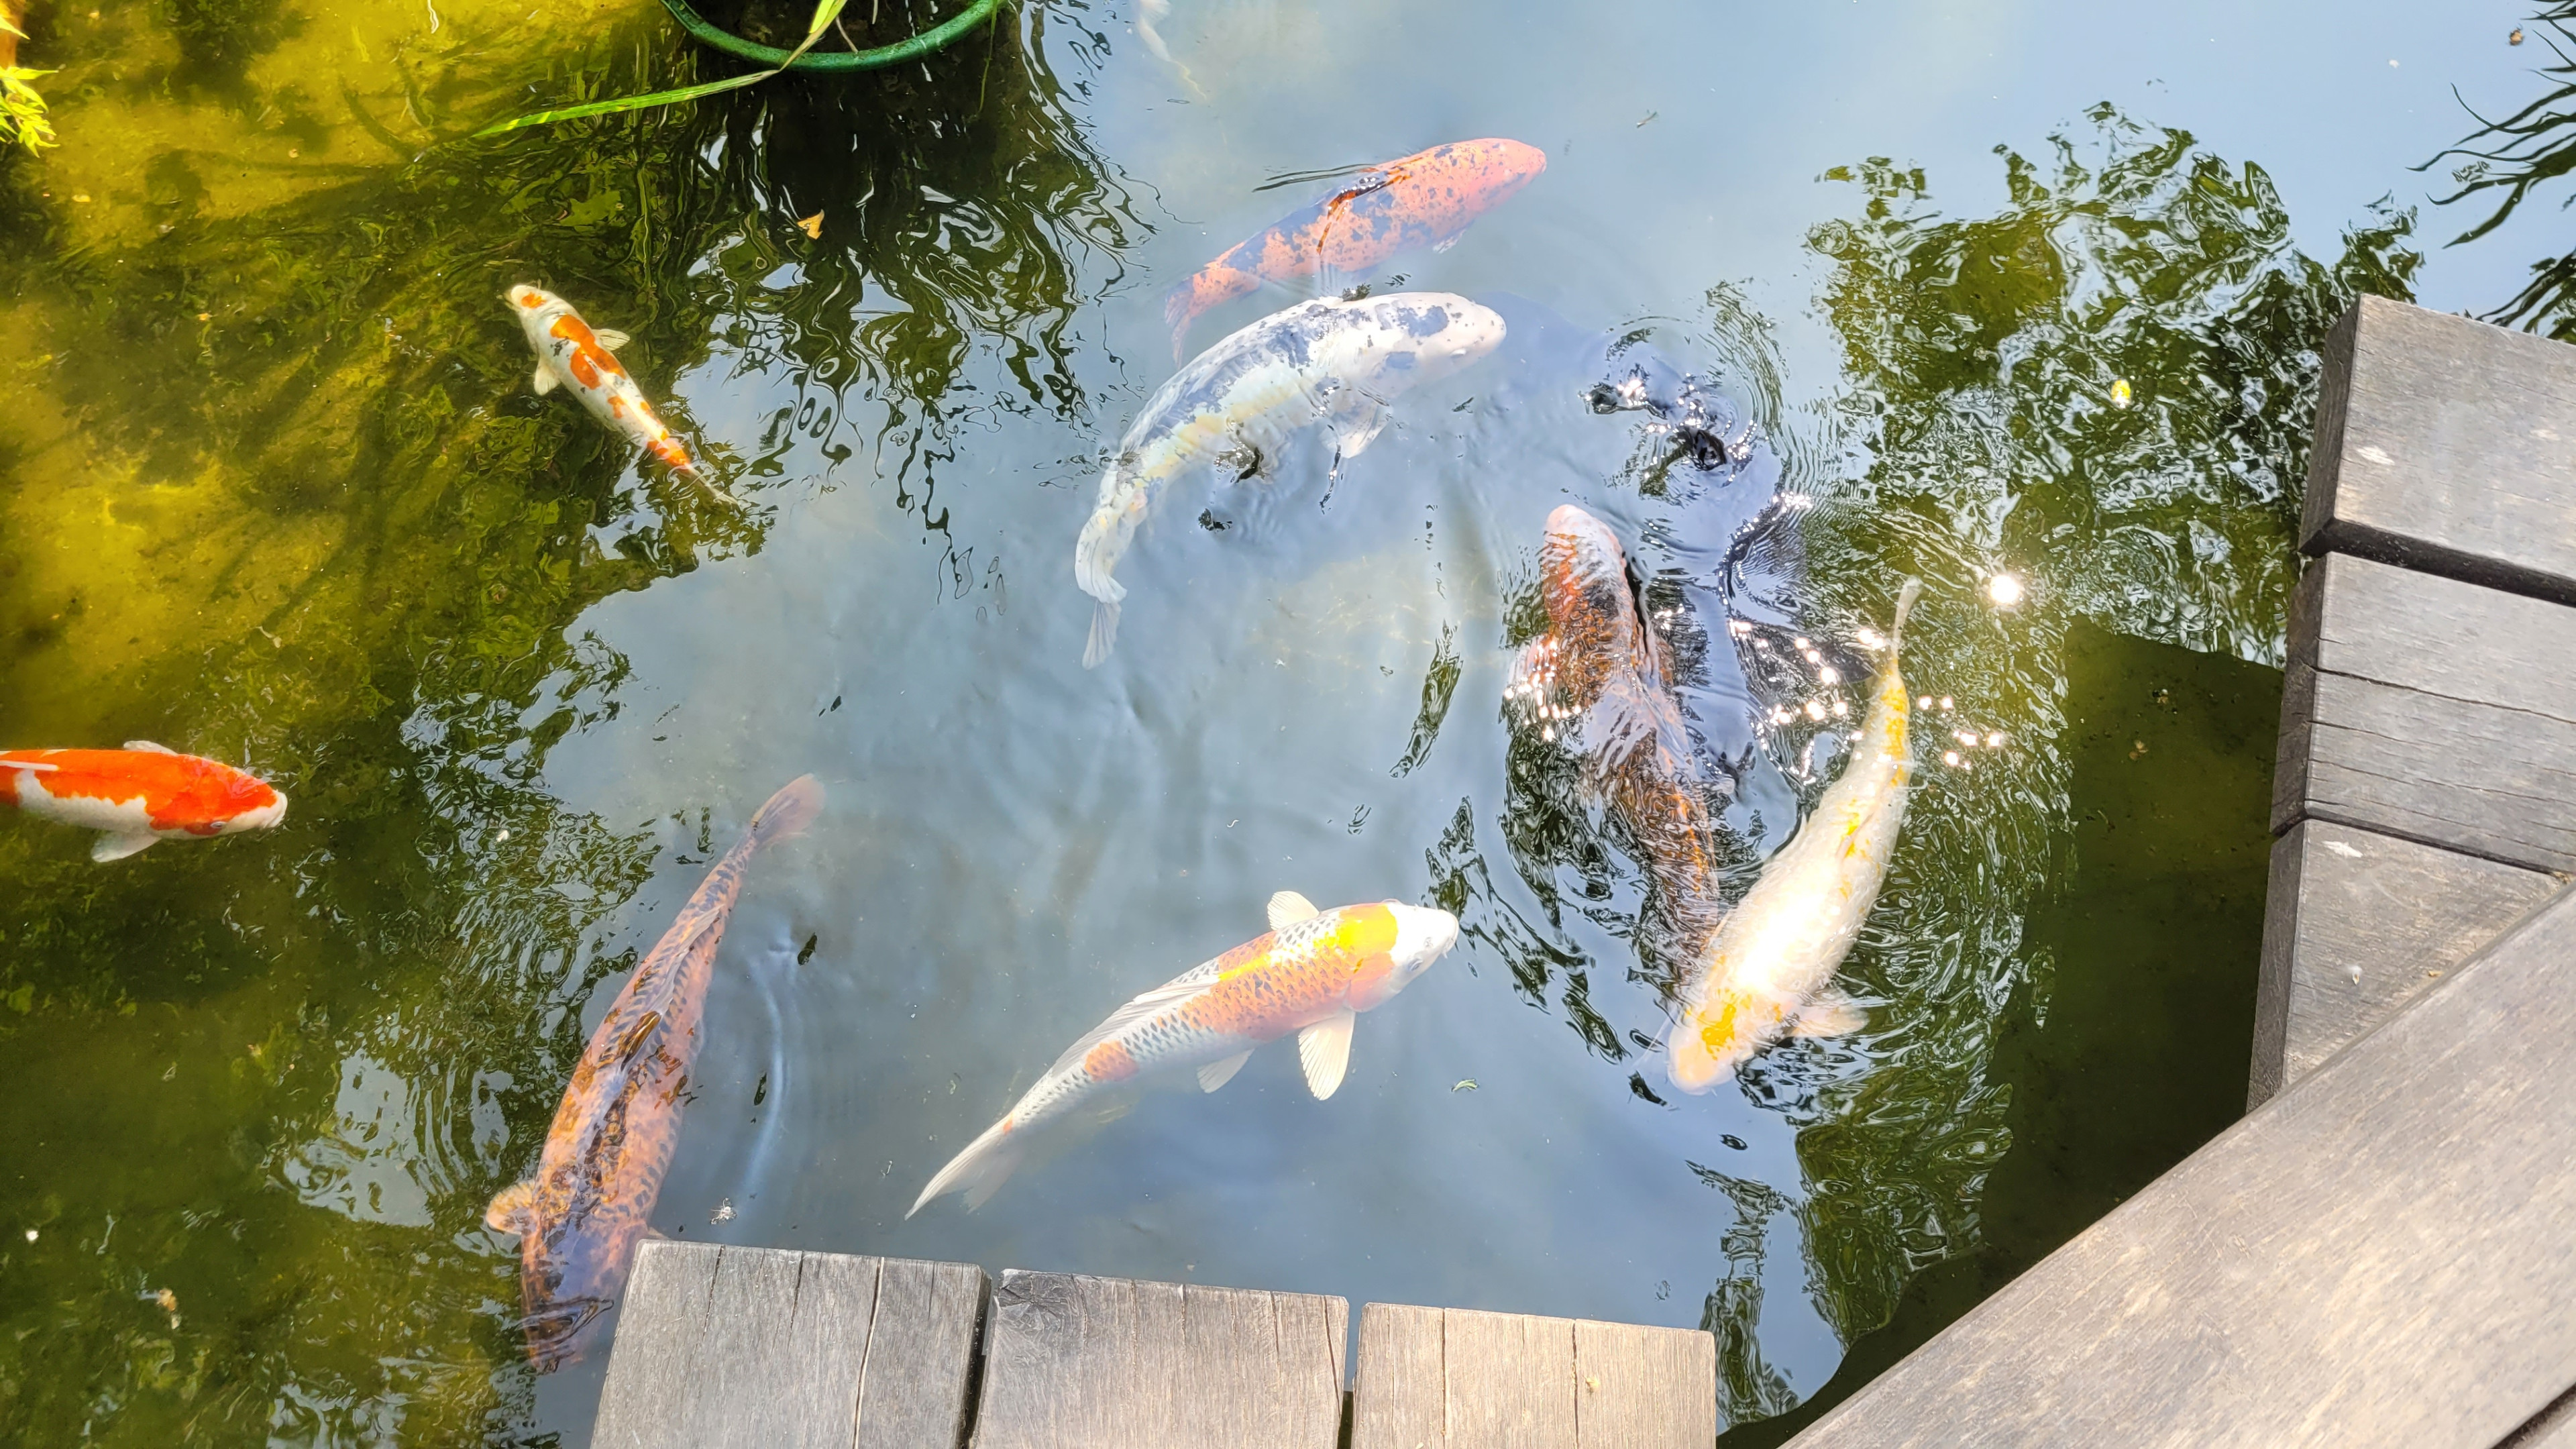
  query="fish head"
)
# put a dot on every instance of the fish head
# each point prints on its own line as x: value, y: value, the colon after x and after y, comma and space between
x: 536, y: 308
x: 571, y: 1272
x: 1412, y: 338
x: 247, y: 802
x: 1500, y: 166
x: 1592, y: 629
x: 1413, y: 936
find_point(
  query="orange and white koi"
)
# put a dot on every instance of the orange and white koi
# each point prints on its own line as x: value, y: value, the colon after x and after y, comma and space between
x: 1311, y: 974
x: 138, y: 796
x: 580, y: 1217
x: 570, y: 355
x: 1422, y: 200
x: 1600, y: 668
x: 1768, y: 973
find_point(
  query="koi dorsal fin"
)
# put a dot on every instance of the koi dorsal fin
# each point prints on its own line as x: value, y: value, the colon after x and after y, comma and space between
x: 1287, y: 908
x: 637, y: 1035
x: 1162, y: 998
x: 149, y: 748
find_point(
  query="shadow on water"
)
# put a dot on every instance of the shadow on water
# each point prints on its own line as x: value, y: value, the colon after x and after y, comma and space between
x: 2124, y: 1050
x: 328, y: 530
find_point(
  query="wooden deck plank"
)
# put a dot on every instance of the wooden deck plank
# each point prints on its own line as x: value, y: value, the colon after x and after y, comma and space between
x: 920, y: 1355
x: 2356, y: 925
x: 1508, y: 1379
x: 2377, y: 1257
x: 2449, y: 446
x: 2432, y: 710
x: 728, y: 1346
x: 1074, y: 1360
x: 1454, y: 1378
x: 1643, y: 1388
x: 1400, y: 1395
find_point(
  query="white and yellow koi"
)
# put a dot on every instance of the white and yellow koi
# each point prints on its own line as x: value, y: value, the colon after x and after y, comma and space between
x: 1310, y: 974
x: 1768, y: 972
x: 1332, y: 360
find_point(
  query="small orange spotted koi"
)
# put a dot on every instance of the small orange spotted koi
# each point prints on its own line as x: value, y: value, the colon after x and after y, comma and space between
x: 1311, y: 974
x: 571, y: 355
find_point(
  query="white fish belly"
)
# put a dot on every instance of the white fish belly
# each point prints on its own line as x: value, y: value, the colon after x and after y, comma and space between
x: 126, y: 817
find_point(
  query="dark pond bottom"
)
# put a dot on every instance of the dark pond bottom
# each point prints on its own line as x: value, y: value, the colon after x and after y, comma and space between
x: 2139, y: 1055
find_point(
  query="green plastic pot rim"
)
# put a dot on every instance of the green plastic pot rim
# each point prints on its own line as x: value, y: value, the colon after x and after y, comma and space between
x: 938, y: 37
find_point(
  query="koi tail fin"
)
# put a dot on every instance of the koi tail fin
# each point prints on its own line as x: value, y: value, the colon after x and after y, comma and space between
x: 789, y: 811
x: 980, y: 1170
x: 1905, y: 598
x: 1179, y: 311
x: 1104, y: 634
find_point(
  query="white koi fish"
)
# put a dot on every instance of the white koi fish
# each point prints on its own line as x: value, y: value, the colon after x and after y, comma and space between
x: 1768, y: 972
x: 1331, y: 361
x: 570, y: 355
x: 1310, y: 974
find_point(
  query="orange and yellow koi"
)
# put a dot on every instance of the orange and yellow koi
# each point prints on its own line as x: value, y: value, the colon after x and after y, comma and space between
x: 138, y: 796
x: 1422, y: 200
x: 1600, y: 668
x: 580, y: 1217
x: 570, y: 355
x: 1768, y: 973
x: 1311, y: 974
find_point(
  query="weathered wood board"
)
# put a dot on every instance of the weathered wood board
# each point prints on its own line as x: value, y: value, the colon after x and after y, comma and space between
x: 2552, y: 1428
x: 2449, y: 446
x: 2432, y: 710
x: 2357, y: 924
x: 1075, y: 1362
x: 1453, y: 1378
x: 719, y: 1347
x: 2380, y: 1256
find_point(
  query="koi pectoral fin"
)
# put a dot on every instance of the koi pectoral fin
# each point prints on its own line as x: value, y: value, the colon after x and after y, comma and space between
x: 1830, y: 1014
x: 1217, y: 1074
x: 546, y: 381
x: 1324, y: 1050
x: 510, y: 1208
x: 118, y: 847
x: 1287, y: 908
x: 611, y: 338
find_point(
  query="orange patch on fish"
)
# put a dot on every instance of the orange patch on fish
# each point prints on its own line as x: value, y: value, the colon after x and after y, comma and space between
x: 1109, y: 1062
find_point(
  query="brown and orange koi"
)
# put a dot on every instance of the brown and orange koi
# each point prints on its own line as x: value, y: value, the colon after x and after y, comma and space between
x: 570, y: 355
x: 138, y: 796
x: 1422, y: 200
x: 1311, y: 974
x: 1600, y: 667
x: 580, y: 1217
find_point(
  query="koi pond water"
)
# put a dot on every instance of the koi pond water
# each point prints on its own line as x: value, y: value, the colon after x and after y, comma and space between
x: 1807, y: 300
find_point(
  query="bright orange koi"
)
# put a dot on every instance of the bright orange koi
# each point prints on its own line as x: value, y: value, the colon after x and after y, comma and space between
x: 570, y: 355
x: 1425, y: 199
x: 1311, y: 974
x: 1601, y: 665
x: 580, y: 1217
x: 137, y: 796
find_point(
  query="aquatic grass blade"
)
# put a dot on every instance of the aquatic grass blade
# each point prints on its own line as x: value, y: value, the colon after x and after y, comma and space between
x: 626, y: 103
x: 825, y: 12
